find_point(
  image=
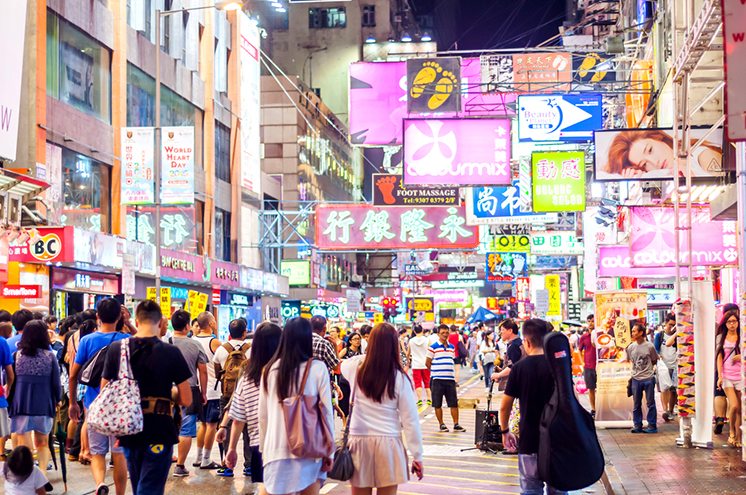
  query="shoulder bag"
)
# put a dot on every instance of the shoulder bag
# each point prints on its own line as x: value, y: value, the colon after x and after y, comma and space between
x: 118, y: 410
x: 343, y: 468
x: 308, y: 434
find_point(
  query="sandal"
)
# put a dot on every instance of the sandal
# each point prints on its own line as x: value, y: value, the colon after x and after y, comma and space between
x: 731, y: 442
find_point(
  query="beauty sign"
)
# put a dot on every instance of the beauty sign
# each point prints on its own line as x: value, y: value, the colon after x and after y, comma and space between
x: 177, y: 165
x: 558, y: 181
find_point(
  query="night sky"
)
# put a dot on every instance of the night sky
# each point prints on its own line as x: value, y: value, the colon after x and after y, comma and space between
x: 486, y: 24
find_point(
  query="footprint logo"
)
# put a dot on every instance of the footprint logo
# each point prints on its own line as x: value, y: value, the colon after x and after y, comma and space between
x: 443, y: 90
x: 386, y: 186
x: 445, y: 82
x: 425, y: 76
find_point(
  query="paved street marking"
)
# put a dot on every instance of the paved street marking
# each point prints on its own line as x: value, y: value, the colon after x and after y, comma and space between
x: 327, y: 488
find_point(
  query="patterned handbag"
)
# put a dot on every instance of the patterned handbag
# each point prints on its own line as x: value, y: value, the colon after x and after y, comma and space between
x: 117, y: 410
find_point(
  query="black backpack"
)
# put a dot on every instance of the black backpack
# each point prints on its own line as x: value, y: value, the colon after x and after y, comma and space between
x: 93, y: 369
x: 567, y: 433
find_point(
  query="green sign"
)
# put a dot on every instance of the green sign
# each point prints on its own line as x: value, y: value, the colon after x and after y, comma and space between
x: 298, y: 272
x: 558, y: 181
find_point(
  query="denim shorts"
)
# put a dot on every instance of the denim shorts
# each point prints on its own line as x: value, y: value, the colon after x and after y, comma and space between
x: 188, y: 426
x: 25, y: 424
x: 211, y: 412
x: 100, y: 444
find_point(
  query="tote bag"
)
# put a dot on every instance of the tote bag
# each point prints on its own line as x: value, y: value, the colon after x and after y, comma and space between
x: 308, y: 434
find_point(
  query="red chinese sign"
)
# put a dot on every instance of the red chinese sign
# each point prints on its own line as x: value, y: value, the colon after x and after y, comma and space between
x: 43, y: 245
x: 362, y: 226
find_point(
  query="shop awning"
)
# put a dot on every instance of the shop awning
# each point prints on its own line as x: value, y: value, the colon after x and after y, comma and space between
x: 20, y: 185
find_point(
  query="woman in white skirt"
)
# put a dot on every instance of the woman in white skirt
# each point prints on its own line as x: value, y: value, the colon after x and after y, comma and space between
x: 384, y: 407
x: 285, y: 473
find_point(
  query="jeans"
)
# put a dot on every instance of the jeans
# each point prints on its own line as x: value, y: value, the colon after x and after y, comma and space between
x: 638, y: 387
x: 528, y: 469
x: 148, y: 466
x: 488, y: 369
x: 244, y: 435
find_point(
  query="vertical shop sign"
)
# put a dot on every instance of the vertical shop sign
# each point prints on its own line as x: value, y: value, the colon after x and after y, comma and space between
x: 177, y: 165
x: 552, y: 284
x: 558, y: 181
x: 734, y: 38
x: 165, y: 301
x: 12, y: 36
x: 138, y: 158
x: 53, y: 195
x: 249, y: 41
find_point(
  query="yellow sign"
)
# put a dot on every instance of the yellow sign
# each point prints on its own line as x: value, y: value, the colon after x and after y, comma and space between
x: 552, y: 285
x: 377, y: 318
x: 423, y: 308
x: 166, y: 301
x: 510, y: 244
x: 622, y: 333
x: 150, y: 294
x: 201, y: 303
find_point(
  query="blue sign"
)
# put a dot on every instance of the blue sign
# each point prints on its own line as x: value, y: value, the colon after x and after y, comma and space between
x: 179, y: 293
x: 498, y: 201
x: 553, y: 262
x: 559, y: 117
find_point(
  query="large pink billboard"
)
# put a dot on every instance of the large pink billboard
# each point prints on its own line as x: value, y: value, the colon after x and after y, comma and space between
x: 614, y: 261
x: 464, y: 152
x: 378, y: 100
x: 652, y: 238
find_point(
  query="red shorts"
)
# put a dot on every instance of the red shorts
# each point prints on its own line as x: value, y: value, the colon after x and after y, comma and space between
x: 421, y: 378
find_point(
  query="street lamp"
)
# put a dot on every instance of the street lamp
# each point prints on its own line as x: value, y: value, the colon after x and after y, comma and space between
x: 226, y: 5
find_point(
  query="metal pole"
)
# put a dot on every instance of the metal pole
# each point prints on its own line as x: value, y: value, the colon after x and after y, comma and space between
x: 158, y: 141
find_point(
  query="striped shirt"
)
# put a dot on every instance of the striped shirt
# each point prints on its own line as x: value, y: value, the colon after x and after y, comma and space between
x: 245, y: 407
x: 443, y: 366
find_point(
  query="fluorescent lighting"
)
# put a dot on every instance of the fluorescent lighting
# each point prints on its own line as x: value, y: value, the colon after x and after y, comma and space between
x: 406, y: 38
x: 370, y: 39
x: 229, y: 5
x: 426, y: 37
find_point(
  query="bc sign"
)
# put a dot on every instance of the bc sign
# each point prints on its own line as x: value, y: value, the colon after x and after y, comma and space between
x: 559, y: 118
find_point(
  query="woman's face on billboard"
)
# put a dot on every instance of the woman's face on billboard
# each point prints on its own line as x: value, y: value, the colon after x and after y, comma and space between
x: 650, y: 154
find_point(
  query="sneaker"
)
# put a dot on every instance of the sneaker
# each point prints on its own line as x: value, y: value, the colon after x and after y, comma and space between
x: 429, y: 402
x: 459, y: 428
x: 419, y: 403
x: 444, y: 428
x: 211, y: 465
x: 180, y: 471
x: 247, y: 472
x: 650, y: 429
x: 225, y: 472
x: 636, y: 429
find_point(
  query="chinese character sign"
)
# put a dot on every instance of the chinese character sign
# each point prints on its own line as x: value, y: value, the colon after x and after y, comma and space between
x: 501, y: 205
x: 558, y: 181
x: 556, y: 242
x: 362, y: 226
x: 138, y: 165
x: 177, y: 165
x: 506, y: 267
x: 552, y: 285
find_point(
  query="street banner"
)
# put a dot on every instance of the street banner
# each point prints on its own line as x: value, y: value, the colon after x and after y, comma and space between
x: 151, y: 294
x: 622, y: 333
x: 630, y: 305
x: 653, y: 239
x: 433, y: 84
x: 647, y: 154
x: 552, y: 285
x: 165, y: 301
x: 734, y: 51
x: 542, y: 72
x: 250, y: 74
x: 558, y: 181
x: 177, y: 165
x: 555, y: 243
x: 613, y: 407
x: 12, y: 39
x: 461, y: 152
x: 389, y: 190
x: 363, y: 226
x: 506, y: 267
x: 138, y: 169
x: 560, y: 118
x: 500, y: 205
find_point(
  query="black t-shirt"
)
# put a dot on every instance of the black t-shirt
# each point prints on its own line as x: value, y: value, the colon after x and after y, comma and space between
x: 531, y: 382
x: 514, y: 352
x: 156, y: 366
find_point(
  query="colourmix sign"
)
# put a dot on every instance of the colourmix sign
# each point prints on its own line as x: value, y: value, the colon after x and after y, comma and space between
x: 457, y: 151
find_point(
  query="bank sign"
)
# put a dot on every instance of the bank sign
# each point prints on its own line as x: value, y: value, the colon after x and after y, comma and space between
x: 568, y: 118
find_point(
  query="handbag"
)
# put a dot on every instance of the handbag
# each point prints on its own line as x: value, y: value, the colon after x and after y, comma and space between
x: 117, y: 410
x: 93, y: 369
x: 343, y: 468
x: 309, y: 436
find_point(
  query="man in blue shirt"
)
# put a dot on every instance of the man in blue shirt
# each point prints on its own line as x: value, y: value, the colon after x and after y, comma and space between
x: 6, y: 381
x: 108, y: 313
x: 19, y: 320
x: 440, y: 361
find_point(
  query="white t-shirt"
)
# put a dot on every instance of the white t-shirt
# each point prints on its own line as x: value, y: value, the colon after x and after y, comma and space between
x: 221, y: 354
x: 418, y: 349
x: 432, y: 339
x: 35, y: 481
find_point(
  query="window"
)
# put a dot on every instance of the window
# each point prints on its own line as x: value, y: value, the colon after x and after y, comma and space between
x: 335, y: 17
x: 369, y: 16
x: 166, y: 46
x: 222, y: 152
x: 78, y: 69
x: 86, y: 187
x: 222, y: 234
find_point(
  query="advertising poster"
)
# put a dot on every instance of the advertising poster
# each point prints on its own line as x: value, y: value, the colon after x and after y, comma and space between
x: 630, y: 305
x: 558, y: 181
x: 613, y: 407
x: 165, y: 301
x: 12, y: 39
x: 506, y: 267
x: 501, y: 205
x: 389, y: 190
x: 138, y: 159
x: 542, y: 72
x: 433, y: 85
x: 250, y: 69
x: 647, y: 154
x: 561, y: 118
x: 298, y: 272
x: 457, y: 151
x: 177, y: 165
x: 497, y: 73
x: 552, y: 285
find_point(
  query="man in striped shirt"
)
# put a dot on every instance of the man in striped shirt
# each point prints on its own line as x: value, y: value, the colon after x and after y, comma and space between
x: 441, y: 363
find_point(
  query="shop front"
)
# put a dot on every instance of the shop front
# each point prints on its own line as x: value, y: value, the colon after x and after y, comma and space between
x: 76, y: 290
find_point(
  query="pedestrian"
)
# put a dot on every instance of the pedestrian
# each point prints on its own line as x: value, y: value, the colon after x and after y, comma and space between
x: 229, y: 361
x: 36, y: 391
x: 404, y: 349
x: 514, y: 350
x: 720, y: 404
x: 21, y: 476
x: 441, y: 362
x: 365, y: 334
x: 354, y: 346
x: 418, y: 346
x: 281, y: 379
x: 243, y: 414
x: 665, y: 345
x: 19, y: 320
x: 196, y: 360
x: 108, y: 312
x: 157, y: 367
x: 472, y: 348
x: 77, y: 435
x: 210, y: 417
x: 643, y: 357
x: 728, y: 354
x: 383, y: 408
x: 488, y: 356
x: 588, y: 348
x: 432, y: 336
x: 334, y: 338
x: 7, y: 376
x: 532, y: 383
